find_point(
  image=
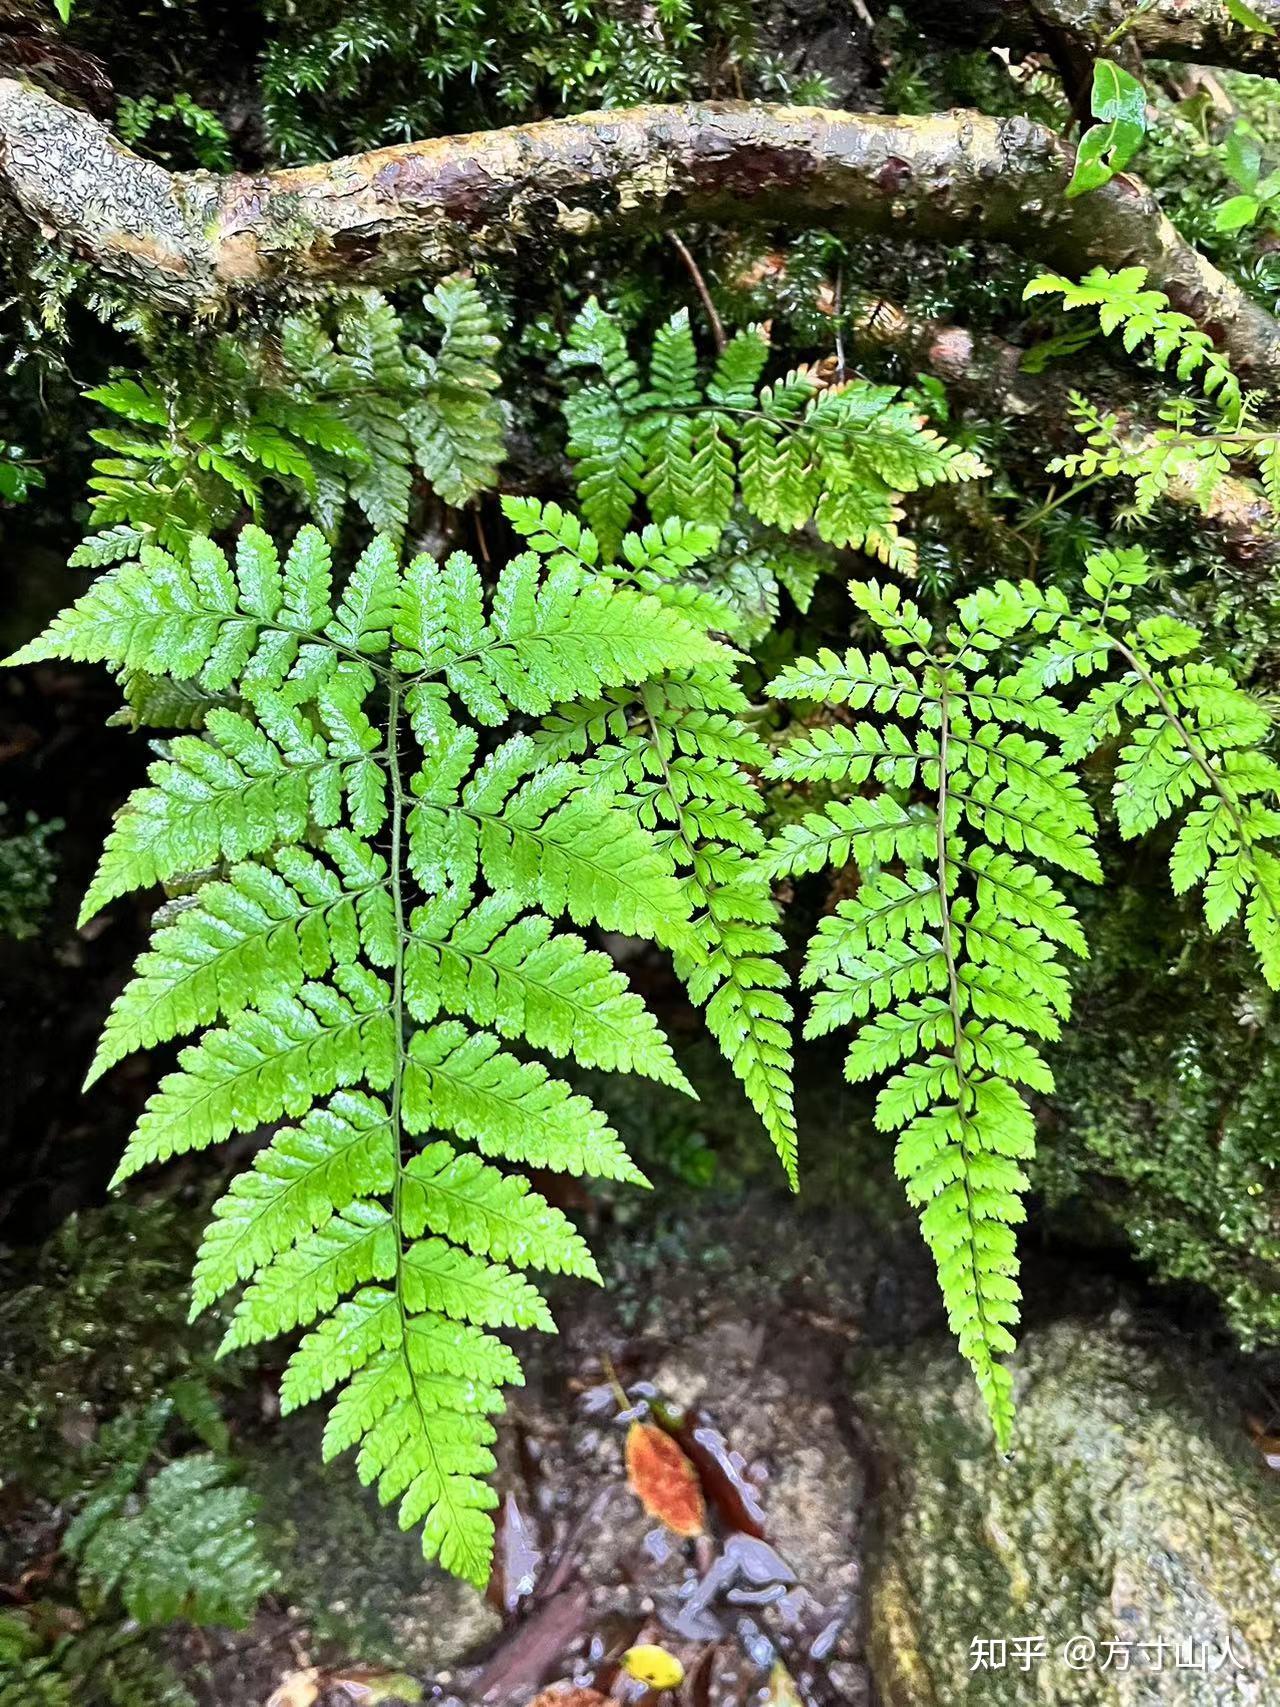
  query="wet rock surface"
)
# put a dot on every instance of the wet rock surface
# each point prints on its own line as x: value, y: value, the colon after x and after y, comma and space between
x: 1135, y: 1521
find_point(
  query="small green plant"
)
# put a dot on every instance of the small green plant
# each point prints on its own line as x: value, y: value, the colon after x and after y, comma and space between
x: 342, y: 407
x: 1195, y: 445
x: 1119, y: 104
x: 28, y: 870
x: 138, y: 120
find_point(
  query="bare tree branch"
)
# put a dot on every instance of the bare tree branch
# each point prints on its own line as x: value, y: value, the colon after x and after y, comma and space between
x: 196, y: 243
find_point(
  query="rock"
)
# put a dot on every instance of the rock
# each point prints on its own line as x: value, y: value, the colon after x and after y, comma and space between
x: 1133, y: 1511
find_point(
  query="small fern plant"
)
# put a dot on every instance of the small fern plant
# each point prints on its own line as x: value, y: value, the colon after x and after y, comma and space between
x: 1193, y: 448
x: 177, y: 1543
x: 1190, y: 745
x: 798, y: 450
x: 370, y: 865
x: 948, y: 960
x: 336, y: 406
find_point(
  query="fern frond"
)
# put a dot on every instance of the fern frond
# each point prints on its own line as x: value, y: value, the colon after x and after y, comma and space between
x: 947, y: 967
x: 679, y: 748
x: 1192, y: 739
x: 356, y: 989
x: 791, y: 452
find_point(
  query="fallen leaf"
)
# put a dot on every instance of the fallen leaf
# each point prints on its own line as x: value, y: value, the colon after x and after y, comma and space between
x: 782, y: 1689
x: 557, y: 1697
x: 299, y: 1689
x: 654, y: 1666
x: 663, y: 1479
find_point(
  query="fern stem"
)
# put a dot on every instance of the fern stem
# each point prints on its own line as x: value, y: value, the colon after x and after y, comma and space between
x: 396, y: 860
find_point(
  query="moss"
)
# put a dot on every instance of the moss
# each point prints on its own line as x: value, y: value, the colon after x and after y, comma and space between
x: 1133, y: 1509
x: 1163, y: 1131
x: 94, y: 1322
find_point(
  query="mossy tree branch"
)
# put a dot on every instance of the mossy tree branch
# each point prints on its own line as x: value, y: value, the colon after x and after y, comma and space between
x: 197, y: 243
x: 1200, y: 31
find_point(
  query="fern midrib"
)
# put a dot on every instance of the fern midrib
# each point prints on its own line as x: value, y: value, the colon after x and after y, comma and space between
x: 1200, y: 757
x: 396, y: 862
x: 953, y: 988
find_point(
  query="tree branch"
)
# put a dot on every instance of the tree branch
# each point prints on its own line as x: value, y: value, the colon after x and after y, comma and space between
x: 196, y: 243
x: 1201, y: 31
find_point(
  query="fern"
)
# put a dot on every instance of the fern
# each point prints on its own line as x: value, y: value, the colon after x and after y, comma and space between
x: 796, y: 451
x: 1124, y: 303
x: 1192, y: 746
x: 343, y: 407
x: 679, y: 749
x: 361, y: 992
x: 947, y: 960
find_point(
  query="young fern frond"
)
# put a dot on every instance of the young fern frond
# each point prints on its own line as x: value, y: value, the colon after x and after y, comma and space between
x: 1192, y: 746
x: 947, y: 960
x: 679, y: 750
x: 1143, y: 317
x: 796, y: 451
x: 362, y: 991
x: 341, y: 407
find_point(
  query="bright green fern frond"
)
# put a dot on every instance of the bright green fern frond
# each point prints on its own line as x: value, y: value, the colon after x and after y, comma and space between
x: 679, y: 748
x: 1192, y: 745
x: 330, y: 826
x: 945, y: 961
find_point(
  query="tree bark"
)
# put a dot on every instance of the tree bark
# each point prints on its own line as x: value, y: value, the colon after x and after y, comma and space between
x: 1201, y: 31
x: 195, y: 243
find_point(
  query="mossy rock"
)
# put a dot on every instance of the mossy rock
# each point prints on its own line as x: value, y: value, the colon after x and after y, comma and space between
x: 1133, y: 1509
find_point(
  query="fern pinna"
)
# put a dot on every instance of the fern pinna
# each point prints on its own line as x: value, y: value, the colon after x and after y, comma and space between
x: 948, y: 957
x: 369, y: 868
x: 678, y: 749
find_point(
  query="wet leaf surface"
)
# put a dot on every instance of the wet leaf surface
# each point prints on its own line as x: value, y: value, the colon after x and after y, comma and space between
x: 664, y: 1480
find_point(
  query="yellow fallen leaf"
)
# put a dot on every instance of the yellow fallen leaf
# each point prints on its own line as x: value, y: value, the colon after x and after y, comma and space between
x: 299, y: 1689
x: 654, y: 1666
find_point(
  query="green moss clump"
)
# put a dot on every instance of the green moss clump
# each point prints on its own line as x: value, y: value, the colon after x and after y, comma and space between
x: 1164, y: 1128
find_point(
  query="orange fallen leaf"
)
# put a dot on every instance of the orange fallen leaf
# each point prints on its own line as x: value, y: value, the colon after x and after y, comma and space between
x: 557, y: 1697
x: 663, y: 1479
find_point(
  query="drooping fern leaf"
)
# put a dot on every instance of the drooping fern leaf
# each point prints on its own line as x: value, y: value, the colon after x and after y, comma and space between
x: 361, y: 991
x: 1192, y: 746
x: 947, y: 958
x: 797, y: 450
x: 679, y: 749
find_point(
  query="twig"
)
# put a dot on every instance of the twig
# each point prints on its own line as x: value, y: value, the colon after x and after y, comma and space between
x: 700, y: 285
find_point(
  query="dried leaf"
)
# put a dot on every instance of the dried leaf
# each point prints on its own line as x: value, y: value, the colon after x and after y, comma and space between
x: 654, y: 1666
x: 299, y: 1689
x: 664, y: 1480
x: 782, y: 1689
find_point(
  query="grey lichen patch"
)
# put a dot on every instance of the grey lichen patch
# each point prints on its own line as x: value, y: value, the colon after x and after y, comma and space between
x: 132, y: 217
